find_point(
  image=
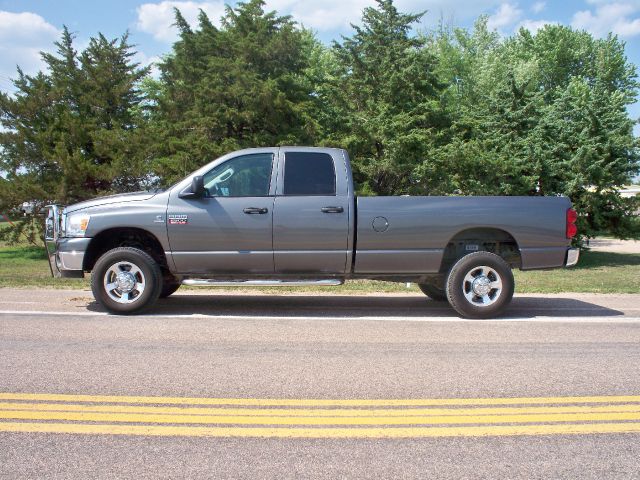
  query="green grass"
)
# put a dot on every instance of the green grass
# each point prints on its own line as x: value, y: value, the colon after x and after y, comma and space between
x: 27, y: 267
x: 597, y: 272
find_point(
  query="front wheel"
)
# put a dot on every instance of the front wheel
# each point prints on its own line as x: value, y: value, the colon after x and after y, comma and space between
x: 126, y: 280
x: 169, y: 286
x: 480, y: 285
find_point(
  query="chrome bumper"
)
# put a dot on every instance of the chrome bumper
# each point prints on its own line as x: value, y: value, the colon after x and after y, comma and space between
x: 51, y: 234
x: 65, y: 254
x: 572, y: 257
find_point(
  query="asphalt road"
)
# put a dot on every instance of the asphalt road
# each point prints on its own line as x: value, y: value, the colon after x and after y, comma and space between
x: 299, y: 386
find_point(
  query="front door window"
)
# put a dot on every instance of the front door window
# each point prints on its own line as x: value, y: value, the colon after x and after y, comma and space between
x: 245, y: 176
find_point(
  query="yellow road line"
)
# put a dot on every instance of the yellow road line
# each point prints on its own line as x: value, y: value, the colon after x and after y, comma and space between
x: 314, y: 418
x: 375, y: 432
x: 316, y: 412
x: 318, y: 402
x: 261, y: 420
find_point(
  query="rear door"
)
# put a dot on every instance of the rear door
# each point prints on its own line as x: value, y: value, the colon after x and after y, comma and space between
x: 311, y: 212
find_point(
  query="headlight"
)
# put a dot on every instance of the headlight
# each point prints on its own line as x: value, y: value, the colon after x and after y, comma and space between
x: 75, y: 225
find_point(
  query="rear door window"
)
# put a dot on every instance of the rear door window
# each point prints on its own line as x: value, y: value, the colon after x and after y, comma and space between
x: 309, y: 173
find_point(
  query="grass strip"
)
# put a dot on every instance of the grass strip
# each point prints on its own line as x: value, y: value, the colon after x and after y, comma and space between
x: 597, y: 272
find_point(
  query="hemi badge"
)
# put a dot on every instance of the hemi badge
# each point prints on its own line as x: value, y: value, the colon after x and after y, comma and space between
x: 178, y: 219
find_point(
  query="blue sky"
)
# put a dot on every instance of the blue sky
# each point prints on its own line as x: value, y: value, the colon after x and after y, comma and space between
x: 29, y: 26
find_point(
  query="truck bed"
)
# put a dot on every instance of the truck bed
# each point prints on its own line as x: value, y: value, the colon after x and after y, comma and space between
x: 418, y: 229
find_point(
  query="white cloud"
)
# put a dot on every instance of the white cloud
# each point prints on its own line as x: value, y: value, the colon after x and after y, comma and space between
x: 148, y: 61
x: 158, y: 18
x: 25, y: 28
x: 538, y: 7
x: 337, y: 15
x: 322, y: 15
x: 603, y: 2
x: 22, y: 37
x: 534, y: 25
x: 506, y: 15
x: 621, y: 18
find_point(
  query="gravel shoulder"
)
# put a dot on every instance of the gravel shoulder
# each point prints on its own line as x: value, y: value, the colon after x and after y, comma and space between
x: 614, y: 246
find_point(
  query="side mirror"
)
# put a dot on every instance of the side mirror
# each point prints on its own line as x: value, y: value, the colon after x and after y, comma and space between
x: 196, y: 190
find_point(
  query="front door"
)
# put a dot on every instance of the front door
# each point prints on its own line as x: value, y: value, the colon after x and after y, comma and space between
x: 230, y: 230
x: 311, y: 215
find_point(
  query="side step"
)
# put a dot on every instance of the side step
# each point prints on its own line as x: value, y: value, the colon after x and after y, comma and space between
x: 209, y: 282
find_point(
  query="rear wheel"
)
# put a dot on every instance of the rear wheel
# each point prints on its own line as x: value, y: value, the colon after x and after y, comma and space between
x: 480, y: 285
x: 433, y: 292
x: 126, y: 280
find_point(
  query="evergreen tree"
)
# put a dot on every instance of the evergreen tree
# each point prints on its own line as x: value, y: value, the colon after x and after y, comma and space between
x: 70, y: 132
x: 384, y: 98
x: 240, y: 85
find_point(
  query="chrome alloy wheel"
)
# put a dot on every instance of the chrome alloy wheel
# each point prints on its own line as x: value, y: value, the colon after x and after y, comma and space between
x: 124, y: 282
x: 482, y: 286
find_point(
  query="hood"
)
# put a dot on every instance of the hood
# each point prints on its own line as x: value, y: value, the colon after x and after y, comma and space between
x: 101, y: 201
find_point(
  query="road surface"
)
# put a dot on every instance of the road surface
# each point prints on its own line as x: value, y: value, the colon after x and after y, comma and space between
x: 300, y: 386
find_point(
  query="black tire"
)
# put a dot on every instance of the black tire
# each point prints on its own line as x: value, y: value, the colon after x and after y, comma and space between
x: 490, y: 273
x: 169, y: 287
x: 433, y: 292
x: 142, y: 270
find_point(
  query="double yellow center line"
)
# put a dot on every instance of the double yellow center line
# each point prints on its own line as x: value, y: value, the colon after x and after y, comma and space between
x: 317, y: 418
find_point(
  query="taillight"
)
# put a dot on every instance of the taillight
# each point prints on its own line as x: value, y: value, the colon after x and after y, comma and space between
x: 572, y: 216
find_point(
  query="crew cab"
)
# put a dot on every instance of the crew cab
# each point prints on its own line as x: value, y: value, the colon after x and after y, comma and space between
x: 289, y: 216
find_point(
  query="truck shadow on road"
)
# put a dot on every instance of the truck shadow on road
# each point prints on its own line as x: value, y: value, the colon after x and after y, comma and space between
x: 371, y: 307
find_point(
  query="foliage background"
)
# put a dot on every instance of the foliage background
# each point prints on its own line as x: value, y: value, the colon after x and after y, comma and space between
x: 448, y: 112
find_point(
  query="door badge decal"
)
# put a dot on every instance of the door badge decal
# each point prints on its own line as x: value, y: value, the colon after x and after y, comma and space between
x: 178, y: 219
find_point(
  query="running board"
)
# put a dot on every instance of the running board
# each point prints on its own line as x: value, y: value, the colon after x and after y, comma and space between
x: 206, y: 282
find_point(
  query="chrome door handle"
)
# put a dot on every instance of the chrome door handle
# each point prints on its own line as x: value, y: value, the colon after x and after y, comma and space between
x: 332, y: 209
x: 255, y: 210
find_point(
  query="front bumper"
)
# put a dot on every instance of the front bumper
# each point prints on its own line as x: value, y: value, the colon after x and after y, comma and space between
x: 66, y: 255
x: 572, y: 257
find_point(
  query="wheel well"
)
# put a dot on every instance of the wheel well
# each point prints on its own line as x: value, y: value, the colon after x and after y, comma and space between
x: 123, y: 237
x: 472, y: 240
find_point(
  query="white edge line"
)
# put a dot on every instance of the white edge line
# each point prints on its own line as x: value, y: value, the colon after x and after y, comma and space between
x: 601, y: 319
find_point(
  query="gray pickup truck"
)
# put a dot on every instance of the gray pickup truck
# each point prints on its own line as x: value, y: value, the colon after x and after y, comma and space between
x: 289, y: 216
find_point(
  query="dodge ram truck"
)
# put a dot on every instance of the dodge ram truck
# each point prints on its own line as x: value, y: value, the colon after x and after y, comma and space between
x: 289, y: 216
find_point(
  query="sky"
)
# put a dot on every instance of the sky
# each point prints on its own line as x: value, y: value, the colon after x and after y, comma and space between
x: 28, y: 27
